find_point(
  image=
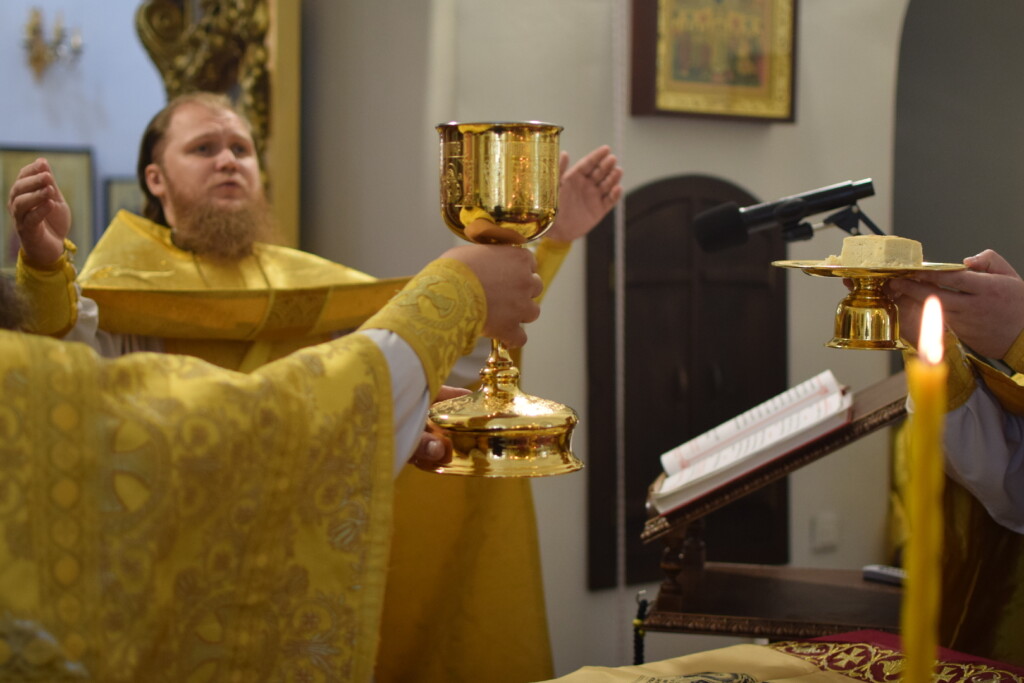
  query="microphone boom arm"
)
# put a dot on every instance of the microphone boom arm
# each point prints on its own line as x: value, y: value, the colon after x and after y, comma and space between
x: 848, y: 219
x: 728, y: 225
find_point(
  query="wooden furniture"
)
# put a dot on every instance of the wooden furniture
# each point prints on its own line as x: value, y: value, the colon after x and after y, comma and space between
x: 770, y: 601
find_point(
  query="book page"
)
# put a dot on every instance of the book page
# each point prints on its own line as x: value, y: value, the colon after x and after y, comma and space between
x: 764, y: 441
x: 725, y: 435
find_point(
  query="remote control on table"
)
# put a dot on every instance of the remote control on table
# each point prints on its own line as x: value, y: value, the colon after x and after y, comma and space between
x: 884, y: 573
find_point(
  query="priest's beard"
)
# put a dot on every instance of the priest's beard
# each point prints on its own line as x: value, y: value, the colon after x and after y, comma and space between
x: 223, y: 234
x: 13, y: 310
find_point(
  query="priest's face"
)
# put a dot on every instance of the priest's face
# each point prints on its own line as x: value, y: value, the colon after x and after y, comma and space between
x: 207, y: 176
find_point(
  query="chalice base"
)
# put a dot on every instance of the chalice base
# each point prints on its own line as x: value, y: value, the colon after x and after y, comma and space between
x: 506, y: 434
x: 866, y: 344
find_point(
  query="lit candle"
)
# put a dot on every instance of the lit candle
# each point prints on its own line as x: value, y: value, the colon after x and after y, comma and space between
x: 926, y: 379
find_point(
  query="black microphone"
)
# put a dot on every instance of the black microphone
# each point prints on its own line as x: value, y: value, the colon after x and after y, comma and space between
x: 727, y: 225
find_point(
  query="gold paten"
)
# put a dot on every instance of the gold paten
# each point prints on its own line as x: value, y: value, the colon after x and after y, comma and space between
x: 499, y: 185
x: 867, y: 318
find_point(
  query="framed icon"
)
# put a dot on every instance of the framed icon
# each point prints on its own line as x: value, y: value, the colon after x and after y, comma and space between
x: 715, y: 58
x: 122, y: 192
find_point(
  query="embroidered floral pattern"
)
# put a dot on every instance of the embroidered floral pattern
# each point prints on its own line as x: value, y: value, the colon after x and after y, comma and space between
x: 874, y: 663
x: 162, y: 519
x: 440, y: 313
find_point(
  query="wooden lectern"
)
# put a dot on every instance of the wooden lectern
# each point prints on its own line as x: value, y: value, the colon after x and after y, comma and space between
x: 768, y: 601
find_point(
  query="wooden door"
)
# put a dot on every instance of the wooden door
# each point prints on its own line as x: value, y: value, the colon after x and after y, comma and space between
x: 705, y: 340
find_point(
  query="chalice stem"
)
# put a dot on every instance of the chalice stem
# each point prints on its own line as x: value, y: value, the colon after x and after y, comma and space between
x: 869, y: 287
x: 499, y: 378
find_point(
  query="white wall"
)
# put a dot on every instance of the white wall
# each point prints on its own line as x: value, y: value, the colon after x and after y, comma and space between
x: 102, y: 101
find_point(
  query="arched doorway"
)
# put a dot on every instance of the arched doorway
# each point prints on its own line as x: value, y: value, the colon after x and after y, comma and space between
x: 705, y: 338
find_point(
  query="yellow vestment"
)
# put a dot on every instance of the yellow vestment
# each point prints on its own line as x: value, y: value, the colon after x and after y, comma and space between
x: 982, y: 598
x: 465, y: 598
x: 237, y: 315
x: 163, y: 519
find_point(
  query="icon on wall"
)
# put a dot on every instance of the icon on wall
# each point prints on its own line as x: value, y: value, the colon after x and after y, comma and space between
x: 122, y: 192
x: 714, y: 58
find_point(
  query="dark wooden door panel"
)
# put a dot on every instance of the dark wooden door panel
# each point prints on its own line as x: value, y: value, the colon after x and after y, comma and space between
x: 705, y: 338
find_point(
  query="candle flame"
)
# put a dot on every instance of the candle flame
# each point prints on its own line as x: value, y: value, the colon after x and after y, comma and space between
x: 930, y: 345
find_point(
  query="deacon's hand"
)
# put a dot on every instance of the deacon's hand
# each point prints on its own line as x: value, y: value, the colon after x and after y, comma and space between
x: 435, y: 448
x: 587, y: 192
x: 983, y: 305
x: 41, y: 216
x: 510, y: 281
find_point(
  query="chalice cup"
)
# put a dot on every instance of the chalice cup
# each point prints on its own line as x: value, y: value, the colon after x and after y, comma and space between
x: 499, y: 185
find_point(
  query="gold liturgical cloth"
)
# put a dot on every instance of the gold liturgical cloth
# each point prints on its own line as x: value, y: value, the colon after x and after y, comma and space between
x: 279, y: 293
x: 505, y: 630
x: 165, y: 520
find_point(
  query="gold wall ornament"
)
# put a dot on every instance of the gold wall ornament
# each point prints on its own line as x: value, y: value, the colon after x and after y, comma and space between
x: 213, y: 45
x: 43, y: 51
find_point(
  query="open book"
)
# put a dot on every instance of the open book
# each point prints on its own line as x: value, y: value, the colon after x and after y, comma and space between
x: 765, y: 432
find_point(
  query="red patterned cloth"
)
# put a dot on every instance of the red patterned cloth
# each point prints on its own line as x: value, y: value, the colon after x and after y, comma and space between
x: 876, y: 656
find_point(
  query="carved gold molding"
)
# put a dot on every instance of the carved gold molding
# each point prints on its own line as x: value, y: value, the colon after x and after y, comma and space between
x: 219, y: 46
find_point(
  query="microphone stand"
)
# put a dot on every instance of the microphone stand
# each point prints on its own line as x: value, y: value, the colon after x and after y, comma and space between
x: 848, y: 219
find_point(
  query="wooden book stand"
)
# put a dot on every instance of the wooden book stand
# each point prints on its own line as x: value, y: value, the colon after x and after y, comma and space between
x: 769, y: 601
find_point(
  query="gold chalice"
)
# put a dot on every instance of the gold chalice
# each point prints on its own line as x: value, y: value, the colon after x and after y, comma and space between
x: 499, y: 185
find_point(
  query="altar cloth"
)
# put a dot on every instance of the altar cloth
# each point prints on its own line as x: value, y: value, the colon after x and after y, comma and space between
x: 871, y: 656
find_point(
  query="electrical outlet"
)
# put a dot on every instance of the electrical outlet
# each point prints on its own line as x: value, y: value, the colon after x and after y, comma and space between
x: 824, y: 531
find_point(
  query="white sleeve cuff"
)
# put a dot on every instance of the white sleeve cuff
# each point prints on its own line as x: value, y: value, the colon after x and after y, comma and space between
x: 410, y: 394
x: 985, y: 454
